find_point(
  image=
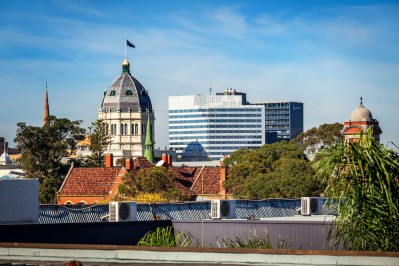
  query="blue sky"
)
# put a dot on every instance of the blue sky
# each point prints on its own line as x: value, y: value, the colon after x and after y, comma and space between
x: 325, y: 54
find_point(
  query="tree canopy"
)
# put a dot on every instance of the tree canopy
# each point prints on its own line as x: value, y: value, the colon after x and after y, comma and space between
x: 364, y: 177
x: 99, y: 140
x: 275, y: 170
x: 151, y: 181
x: 318, y: 138
x: 43, y: 148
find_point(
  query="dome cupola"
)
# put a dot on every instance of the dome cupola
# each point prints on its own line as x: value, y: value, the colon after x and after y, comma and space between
x: 361, y: 113
x: 359, y: 122
x: 126, y: 94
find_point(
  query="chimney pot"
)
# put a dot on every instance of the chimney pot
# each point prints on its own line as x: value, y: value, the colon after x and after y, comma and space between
x: 129, y: 164
x: 222, y: 177
x: 109, y: 160
x: 164, y: 158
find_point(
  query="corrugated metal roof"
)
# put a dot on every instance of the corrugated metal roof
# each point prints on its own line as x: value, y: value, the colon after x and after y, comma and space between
x: 174, y: 211
x: 76, y: 214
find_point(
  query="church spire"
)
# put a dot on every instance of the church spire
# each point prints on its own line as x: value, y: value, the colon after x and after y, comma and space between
x: 46, y: 108
x: 149, y: 146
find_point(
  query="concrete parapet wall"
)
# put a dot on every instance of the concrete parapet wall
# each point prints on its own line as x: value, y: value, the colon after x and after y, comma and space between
x: 305, y: 233
x: 89, y: 254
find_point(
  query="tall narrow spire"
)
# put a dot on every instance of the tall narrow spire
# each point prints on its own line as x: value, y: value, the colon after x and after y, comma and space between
x: 149, y: 146
x: 46, y: 108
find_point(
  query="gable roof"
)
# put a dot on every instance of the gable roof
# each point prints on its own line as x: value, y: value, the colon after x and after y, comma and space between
x: 141, y: 162
x: 98, y: 181
x: 93, y: 181
x: 207, y: 181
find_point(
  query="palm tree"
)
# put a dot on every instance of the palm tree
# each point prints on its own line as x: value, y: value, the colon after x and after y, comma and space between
x: 364, y: 177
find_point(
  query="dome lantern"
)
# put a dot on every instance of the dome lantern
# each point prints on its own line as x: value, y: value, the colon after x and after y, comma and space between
x: 125, y: 66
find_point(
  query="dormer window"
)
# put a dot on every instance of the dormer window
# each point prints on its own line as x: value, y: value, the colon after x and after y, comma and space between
x: 129, y: 92
x: 112, y: 93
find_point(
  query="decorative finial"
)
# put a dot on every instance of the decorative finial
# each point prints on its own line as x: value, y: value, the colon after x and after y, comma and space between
x: 361, y: 100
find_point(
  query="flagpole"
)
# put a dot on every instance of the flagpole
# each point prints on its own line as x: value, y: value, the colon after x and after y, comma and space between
x: 125, y: 45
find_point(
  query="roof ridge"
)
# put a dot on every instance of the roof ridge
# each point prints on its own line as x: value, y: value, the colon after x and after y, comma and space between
x: 197, y: 178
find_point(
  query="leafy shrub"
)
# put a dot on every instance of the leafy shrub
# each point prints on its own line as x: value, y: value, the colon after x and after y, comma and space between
x: 259, y: 242
x: 168, y: 237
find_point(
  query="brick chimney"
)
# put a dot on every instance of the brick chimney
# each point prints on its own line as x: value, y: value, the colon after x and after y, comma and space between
x: 109, y: 160
x: 129, y: 164
x: 164, y: 158
x: 222, y: 177
x: 169, y: 157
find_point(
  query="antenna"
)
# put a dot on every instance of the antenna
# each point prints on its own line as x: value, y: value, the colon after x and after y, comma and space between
x: 210, y: 88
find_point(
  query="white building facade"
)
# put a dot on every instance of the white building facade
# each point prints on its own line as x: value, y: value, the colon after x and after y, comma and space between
x: 125, y: 109
x: 222, y: 124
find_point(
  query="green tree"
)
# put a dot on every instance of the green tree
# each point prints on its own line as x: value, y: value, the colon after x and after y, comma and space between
x: 290, y: 178
x: 275, y: 170
x: 364, y: 177
x: 121, y: 161
x: 43, y: 148
x: 318, y: 138
x: 99, y: 140
x: 155, y: 180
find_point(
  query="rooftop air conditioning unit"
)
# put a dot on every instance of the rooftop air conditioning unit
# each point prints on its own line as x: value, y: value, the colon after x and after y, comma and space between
x: 223, y: 209
x: 311, y: 205
x: 122, y: 211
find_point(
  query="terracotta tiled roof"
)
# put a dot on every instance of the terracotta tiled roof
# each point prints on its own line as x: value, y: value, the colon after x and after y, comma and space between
x: 141, y: 163
x: 96, y: 181
x: 208, y: 182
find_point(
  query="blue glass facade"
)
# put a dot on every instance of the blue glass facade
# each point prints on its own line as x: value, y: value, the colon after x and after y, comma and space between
x: 283, y: 120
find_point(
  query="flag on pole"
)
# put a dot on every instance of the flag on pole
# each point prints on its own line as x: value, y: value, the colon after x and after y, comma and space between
x: 130, y: 44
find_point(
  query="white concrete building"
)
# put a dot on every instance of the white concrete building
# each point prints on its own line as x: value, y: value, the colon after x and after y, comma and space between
x: 221, y: 123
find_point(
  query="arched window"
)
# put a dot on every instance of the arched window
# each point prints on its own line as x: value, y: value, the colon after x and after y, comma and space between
x: 131, y: 129
x: 128, y: 92
x: 112, y: 93
x: 136, y: 129
x: 126, y: 132
x: 112, y: 129
x: 121, y: 129
x: 107, y: 129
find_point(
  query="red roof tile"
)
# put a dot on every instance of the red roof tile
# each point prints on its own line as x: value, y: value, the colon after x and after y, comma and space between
x: 208, y: 182
x: 141, y: 162
x: 96, y: 181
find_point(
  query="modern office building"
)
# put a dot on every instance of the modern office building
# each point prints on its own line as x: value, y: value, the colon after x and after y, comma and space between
x: 221, y: 123
x: 283, y: 120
